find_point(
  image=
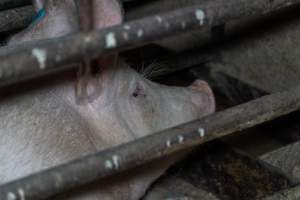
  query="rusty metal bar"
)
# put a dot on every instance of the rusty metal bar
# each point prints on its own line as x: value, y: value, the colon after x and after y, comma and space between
x: 45, y: 56
x: 288, y: 194
x: 86, y: 16
x: 8, y: 4
x: 16, y: 18
x: 223, y: 171
x: 92, y: 167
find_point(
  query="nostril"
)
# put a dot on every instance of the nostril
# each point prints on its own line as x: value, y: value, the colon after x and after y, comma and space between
x: 138, y: 92
x: 135, y: 94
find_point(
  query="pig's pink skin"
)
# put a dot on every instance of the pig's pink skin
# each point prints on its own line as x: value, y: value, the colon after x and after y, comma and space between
x: 61, y: 19
x: 44, y: 127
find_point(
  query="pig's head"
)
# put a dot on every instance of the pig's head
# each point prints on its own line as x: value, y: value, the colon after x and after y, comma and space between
x: 129, y: 105
x: 139, y: 105
x: 142, y: 107
x: 146, y: 107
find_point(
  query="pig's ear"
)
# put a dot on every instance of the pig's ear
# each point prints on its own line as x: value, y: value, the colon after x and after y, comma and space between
x: 107, y: 13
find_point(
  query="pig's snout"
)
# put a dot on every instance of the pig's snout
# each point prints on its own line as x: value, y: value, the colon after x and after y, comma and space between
x: 203, y: 88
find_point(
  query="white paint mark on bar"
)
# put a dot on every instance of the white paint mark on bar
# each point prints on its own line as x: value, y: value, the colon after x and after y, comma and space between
x: 183, y: 25
x: 87, y: 39
x: 180, y: 139
x: 21, y: 194
x: 167, y: 25
x: 116, y: 161
x: 11, y: 196
x: 158, y: 19
x: 200, y: 15
x: 201, y: 132
x: 41, y: 56
x: 110, y: 40
x: 108, y: 164
x: 126, y: 36
x: 140, y: 33
x: 57, y: 58
x: 127, y: 27
x: 168, y: 143
x: 58, y: 180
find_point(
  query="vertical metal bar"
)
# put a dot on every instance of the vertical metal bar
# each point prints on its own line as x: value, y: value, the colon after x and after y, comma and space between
x: 86, y: 17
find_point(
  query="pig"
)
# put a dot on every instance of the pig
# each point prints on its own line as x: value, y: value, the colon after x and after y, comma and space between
x: 42, y: 125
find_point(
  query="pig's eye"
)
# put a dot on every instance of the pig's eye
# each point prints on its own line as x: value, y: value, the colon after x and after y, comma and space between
x: 139, y: 92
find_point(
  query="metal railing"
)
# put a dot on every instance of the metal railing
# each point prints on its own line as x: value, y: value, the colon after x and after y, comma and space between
x: 132, y: 34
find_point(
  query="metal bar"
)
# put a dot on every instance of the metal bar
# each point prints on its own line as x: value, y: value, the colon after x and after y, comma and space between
x: 223, y: 171
x: 86, y: 16
x: 42, y: 57
x: 8, y: 4
x: 123, y: 157
x: 16, y: 18
x: 289, y: 194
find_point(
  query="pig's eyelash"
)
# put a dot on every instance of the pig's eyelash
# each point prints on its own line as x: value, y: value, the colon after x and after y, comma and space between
x: 152, y: 70
x: 142, y: 68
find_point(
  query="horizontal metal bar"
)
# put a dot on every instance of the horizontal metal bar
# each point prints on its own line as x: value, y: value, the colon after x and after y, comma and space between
x: 289, y: 194
x: 217, y: 171
x: 7, y: 4
x: 34, y: 59
x: 90, y: 168
x: 16, y: 18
